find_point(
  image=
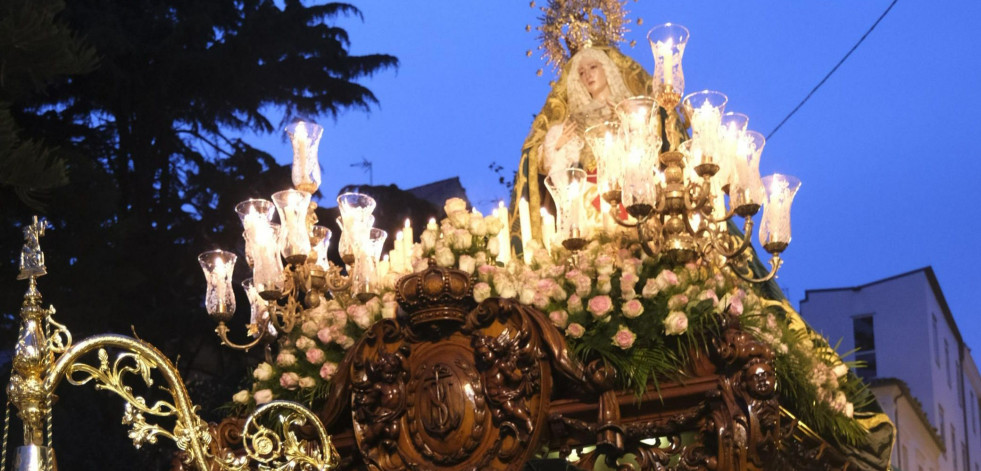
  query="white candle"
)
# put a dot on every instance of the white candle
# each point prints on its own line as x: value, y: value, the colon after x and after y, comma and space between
x: 383, y: 267
x: 606, y: 217
x: 431, y: 225
x: 407, y: 242
x: 664, y: 49
x: 398, y: 253
x: 524, y: 217
x: 548, y: 229
x: 218, y: 278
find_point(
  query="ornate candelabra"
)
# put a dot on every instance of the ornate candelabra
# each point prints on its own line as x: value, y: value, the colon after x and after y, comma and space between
x: 288, y: 259
x: 674, y: 189
x: 45, y: 355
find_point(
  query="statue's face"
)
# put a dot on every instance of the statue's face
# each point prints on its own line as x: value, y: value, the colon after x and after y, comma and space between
x: 592, y: 75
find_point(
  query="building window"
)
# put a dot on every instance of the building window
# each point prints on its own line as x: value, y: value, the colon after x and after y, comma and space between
x: 953, y: 443
x: 936, y: 341
x: 940, y: 429
x: 974, y: 414
x: 947, y: 362
x: 864, y: 330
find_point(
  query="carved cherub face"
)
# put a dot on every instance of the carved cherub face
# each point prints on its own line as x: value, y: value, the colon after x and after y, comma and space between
x: 761, y: 380
x: 592, y: 75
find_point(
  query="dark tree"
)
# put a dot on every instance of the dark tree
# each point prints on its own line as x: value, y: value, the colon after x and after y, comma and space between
x: 155, y: 168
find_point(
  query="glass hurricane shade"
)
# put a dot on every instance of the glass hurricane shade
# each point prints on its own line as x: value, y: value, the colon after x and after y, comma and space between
x: 249, y: 211
x: 364, y: 279
x: 604, y: 141
x: 731, y: 130
x: 639, y: 125
x: 704, y: 110
x: 567, y: 187
x: 295, y: 236
x: 320, y: 244
x: 668, y: 43
x: 356, y: 221
x: 775, y: 227
x: 305, y: 137
x: 267, y: 273
x: 218, y: 266
x: 259, y: 310
x: 745, y: 187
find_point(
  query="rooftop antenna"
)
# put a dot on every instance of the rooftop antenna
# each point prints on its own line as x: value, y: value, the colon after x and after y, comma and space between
x: 365, y: 163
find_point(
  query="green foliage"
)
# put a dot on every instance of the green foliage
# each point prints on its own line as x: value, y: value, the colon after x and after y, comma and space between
x: 145, y: 137
x: 35, y: 50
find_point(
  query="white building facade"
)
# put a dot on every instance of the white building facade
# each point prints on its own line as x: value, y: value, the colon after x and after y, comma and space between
x: 905, y: 333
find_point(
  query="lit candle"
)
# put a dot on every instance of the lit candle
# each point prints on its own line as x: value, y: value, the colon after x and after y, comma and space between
x: 431, y: 225
x: 397, y: 253
x: 218, y: 278
x: 607, y: 219
x: 383, y: 267
x: 301, y: 142
x: 548, y: 229
x: 524, y: 217
x: 407, y: 242
x: 664, y: 49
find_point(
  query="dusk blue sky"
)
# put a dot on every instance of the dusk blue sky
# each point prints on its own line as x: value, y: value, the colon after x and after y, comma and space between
x: 886, y: 148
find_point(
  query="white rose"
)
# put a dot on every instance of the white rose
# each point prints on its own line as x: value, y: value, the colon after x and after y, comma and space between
x: 241, y: 397
x: 309, y: 328
x: 389, y: 310
x: 263, y: 372
x: 453, y: 205
x: 462, y: 240
x: 428, y: 239
x: 307, y: 382
x: 481, y: 291
x: 527, y: 296
x: 460, y: 219
x: 445, y: 257
x: 494, y: 224
x: 467, y: 264
x: 478, y: 227
x: 494, y: 246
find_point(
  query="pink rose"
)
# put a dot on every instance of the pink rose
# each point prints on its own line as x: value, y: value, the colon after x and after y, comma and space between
x: 289, y: 380
x: 650, y: 288
x: 624, y: 338
x: 667, y: 278
x: 262, y: 396
x: 328, y: 370
x: 574, y: 304
x: 677, y: 301
x: 575, y: 330
x: 633, y: 308
x: 676, y: 323
x: 315, y: 356
x: 709, y: 294
x: 325, y: 335
x: 736, y: 303
x: 600, y: 306
x: 559, y: 318
x: 604, y: 265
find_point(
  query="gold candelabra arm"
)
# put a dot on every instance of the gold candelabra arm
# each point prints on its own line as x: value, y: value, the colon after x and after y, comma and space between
x: 697, y: 195
x: 649, y: 236
x: 260, y: 329
x: 742, y: 244
x: 748, y: 275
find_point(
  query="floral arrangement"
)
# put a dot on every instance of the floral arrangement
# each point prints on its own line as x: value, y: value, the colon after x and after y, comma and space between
x: 642, y: 315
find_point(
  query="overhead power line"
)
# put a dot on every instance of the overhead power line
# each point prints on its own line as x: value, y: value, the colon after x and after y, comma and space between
x: 825, y: 79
